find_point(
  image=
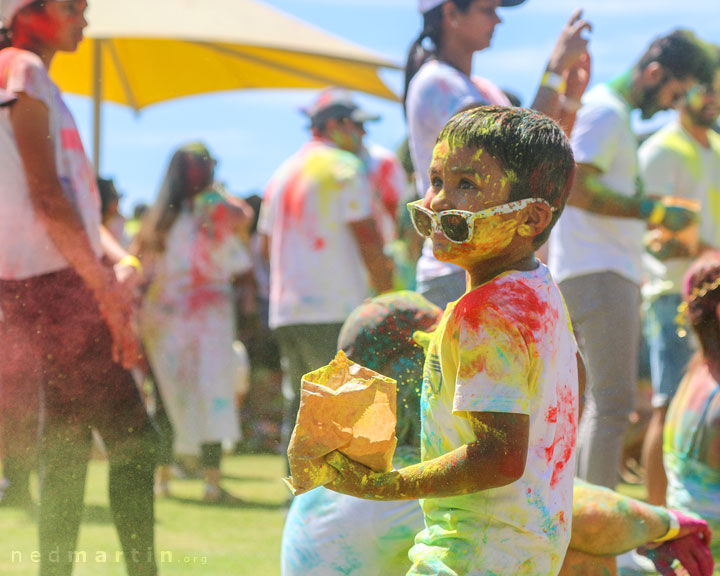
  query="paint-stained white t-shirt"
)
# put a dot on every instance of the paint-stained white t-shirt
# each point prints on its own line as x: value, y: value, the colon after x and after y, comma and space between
x: 317, y: 274
x: 506, y: 346
x: 583, y: 242
x: 27, y: 250
x: 673, y: 163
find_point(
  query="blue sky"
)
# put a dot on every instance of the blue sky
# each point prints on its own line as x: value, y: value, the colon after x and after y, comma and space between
x: 251, y: 132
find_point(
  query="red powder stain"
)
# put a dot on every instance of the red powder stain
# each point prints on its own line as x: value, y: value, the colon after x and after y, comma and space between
x: 513, y: 303
x: 563, y: 444
x: 551, y: 415
x: 319, y: 244
x: 561, y: 517
x: 294, y: 200
x: 516, y: 301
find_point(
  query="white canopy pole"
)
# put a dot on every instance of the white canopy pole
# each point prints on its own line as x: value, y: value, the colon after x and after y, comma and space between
x: 97, y: 102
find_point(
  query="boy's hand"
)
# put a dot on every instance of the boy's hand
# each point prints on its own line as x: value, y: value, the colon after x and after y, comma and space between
x: 354, y: 479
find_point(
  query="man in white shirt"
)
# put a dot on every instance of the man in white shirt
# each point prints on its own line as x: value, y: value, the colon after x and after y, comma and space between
x: 596, y: 247
x: 681, y: 161
x: 324, y: 248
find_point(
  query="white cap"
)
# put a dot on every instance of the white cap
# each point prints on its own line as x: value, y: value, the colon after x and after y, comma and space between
x: 336, y: 103
x: 427, y: 5
x: 10, y: 8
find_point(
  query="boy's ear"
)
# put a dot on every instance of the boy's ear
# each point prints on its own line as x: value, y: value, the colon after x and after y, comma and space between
x: 534, y: 219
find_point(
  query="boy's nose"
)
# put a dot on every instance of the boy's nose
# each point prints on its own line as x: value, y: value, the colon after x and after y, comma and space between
x: 438, y: 202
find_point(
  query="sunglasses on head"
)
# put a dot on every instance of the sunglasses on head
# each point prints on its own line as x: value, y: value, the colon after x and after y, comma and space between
x: 457, y: 225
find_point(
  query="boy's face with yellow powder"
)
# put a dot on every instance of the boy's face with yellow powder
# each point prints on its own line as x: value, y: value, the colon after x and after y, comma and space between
x: 466, y: 178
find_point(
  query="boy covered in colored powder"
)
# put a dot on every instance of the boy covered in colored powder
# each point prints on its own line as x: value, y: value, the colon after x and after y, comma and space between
x: 500, y: 385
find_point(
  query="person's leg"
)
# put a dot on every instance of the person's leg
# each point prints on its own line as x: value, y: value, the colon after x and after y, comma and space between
x: 165, y: 450
x: 64, y: 454
x: 303, y: 348
x: 293, y: 370
x: 19, y: 394
x: 605, y: 311
x: 84, y: 388
x: 210, y: 459
x: 669, y: 357
x: 132, y: 443
x: 318, y: 344
x: 53, y: 334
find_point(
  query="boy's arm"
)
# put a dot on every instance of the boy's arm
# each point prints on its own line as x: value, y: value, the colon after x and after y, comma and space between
x: 496, y: 459
x: 607, y: 523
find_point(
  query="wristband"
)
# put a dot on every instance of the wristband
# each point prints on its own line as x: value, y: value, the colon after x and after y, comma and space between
x: 674, y: 529
x: 657, y: 215
x: 554, y: 82
x: 132, y: 261
x: 653, y: 211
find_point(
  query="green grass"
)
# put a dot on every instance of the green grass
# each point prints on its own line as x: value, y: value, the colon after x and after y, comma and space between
x: 192, y: 538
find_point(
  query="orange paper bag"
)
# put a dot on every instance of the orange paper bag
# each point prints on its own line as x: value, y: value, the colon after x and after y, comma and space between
x: 345, y: 407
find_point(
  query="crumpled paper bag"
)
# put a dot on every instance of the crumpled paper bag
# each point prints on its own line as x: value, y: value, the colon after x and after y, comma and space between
x: 345, y: 407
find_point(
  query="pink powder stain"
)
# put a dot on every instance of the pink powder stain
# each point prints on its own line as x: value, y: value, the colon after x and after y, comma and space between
x: 382, y: 181
x: 71, y: 139
x: 319, y: 244
x: 563, y: 445
x: 294, y: 200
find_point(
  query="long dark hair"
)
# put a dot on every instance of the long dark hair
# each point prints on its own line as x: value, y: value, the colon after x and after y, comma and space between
x: 173, y: 195
x: 419, y: 52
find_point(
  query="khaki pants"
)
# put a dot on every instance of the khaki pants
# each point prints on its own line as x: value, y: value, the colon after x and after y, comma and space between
x: 605, y: 311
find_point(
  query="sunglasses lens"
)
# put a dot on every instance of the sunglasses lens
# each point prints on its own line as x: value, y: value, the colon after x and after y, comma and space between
x: 455, y: 227
x: 423, y: 222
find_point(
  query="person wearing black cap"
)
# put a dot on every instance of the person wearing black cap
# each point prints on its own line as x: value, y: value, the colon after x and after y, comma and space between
x: 438, y: 84
x: 324, y: 248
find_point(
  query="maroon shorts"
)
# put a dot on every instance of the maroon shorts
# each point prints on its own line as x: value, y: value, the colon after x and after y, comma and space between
x: 57, y: 346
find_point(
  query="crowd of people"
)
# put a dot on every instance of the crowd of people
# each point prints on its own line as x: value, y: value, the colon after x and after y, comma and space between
x: 503, y: 267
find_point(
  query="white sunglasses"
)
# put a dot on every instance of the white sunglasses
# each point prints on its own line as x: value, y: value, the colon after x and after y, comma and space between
x: 457, y: 225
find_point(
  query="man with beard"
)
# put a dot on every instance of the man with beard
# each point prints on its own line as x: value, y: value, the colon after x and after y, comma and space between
x: 683, y: 161
x: 596, y: 247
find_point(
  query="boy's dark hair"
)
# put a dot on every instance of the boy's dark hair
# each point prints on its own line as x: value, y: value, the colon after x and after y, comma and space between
x: 532, y: 150
x: 682, y: 55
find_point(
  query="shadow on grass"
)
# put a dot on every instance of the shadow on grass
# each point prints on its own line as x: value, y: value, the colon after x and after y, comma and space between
x: 240, y: 504
x: 236, y: 478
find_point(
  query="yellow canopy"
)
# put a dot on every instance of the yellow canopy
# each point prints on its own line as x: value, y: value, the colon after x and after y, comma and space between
x: 141, y: 52
x: 155, y: 50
